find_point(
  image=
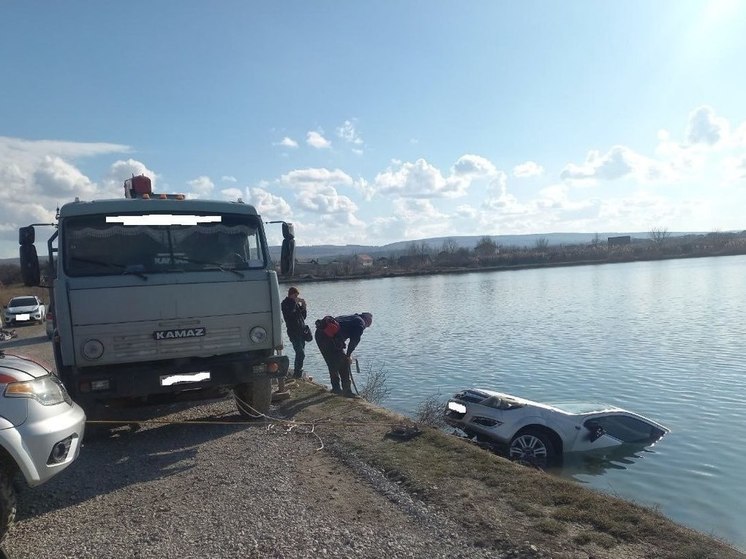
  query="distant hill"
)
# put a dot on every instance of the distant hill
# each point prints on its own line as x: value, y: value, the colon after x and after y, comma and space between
x: 325, y: 252
x: 329, y: 252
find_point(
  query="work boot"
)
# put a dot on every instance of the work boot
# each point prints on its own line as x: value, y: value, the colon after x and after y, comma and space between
x: 336, y: 390
x: 298, y: 374
x: 349, y: 394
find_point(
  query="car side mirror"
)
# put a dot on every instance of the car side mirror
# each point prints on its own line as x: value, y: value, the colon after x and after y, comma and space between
x: 595, y: 431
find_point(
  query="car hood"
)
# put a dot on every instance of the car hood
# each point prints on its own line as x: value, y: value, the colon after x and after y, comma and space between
x: 22, y: 364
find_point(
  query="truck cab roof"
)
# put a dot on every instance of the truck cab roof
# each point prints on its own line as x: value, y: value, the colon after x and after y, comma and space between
x: 153, y: 205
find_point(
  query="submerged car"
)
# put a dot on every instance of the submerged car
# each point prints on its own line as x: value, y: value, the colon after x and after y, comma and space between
x: 41, y: 428
x: 539, y: 433
x: 27, y: 308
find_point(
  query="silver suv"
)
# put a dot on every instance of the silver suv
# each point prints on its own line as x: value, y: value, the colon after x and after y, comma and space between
x: 41, y: 428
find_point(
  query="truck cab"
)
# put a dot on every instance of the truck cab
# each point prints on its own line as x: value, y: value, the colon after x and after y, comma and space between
x: 158, y: 298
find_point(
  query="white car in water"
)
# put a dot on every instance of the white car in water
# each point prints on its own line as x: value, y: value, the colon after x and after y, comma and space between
x: 539, y: 433
x: 27, y: 308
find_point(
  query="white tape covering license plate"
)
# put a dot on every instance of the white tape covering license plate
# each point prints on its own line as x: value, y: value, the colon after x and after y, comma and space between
x: 23, y: 316
x: 169, y: 380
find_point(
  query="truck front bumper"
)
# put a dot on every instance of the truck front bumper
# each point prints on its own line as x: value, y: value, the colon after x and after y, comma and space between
x: 140, y: 380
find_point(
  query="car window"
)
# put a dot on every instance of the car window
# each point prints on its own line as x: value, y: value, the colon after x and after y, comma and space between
x: 23, y: 302
x: 626, y: 429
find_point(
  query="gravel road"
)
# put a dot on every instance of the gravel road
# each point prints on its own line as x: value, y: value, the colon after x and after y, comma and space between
x: 225, y: 489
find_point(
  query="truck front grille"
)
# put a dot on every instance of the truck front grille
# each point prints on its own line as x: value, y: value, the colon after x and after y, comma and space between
x: 138, y: 346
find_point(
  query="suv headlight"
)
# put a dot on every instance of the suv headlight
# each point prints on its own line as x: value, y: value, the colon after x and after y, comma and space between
x: 46, y: 390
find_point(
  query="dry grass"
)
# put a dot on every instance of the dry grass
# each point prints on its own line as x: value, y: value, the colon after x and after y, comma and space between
x: 7, y: 292
x: 501, y: 503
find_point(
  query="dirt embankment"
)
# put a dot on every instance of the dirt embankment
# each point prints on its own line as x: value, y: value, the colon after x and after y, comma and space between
x: 331, y: 477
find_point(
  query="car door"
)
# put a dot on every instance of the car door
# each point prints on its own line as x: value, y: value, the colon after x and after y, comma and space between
x: 594, y: 436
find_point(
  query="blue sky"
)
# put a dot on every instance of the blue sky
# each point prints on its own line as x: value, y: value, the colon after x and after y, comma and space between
x: 382, y: 121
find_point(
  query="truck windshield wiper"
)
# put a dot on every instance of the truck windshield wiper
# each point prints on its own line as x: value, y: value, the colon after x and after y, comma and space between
x: 126, y: 270
x: 216, y: 265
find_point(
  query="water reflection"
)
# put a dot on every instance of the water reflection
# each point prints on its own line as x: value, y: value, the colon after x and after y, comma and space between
x: 576, y: 465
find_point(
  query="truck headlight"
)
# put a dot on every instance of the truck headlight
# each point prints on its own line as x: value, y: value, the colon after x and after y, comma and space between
x: 92, y: 349
x: 46, y: 390
x: 258, y: 334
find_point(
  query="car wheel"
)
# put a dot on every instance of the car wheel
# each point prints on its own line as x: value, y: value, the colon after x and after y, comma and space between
x: 533, y: 448
x: 7, y: 503
x: 254, y: 398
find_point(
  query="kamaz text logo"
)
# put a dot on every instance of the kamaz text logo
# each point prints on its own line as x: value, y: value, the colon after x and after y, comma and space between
x: 181, y: 333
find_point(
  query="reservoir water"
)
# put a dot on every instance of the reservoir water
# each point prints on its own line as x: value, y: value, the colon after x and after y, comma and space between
x: 665, y: 339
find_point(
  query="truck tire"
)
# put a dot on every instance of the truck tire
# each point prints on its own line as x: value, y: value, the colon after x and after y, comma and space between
x: 7, y: 503
x: 253, y: 398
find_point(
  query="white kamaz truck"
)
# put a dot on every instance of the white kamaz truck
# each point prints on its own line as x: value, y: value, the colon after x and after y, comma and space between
x: 157, y: 298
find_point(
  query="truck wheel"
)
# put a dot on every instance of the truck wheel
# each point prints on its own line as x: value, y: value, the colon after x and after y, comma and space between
x: 7, y: 503
x: 253, y: 398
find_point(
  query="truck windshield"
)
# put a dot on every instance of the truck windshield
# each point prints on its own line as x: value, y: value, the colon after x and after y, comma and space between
x: 95, y: 245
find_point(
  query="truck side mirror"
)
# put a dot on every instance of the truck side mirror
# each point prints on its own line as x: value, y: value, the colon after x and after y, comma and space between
x: 26, y: 235
x: 29, y: 259
x: 288, y: 231
x: 30, y: 266
x: 287, y: 257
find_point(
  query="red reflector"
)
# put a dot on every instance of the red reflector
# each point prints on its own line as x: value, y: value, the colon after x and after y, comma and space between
x: 272, y: 367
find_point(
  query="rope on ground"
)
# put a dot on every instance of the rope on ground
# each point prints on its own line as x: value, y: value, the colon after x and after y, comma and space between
x: 256, y: 414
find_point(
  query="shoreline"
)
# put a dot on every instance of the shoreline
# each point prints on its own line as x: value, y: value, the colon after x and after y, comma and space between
x: 309, y: 278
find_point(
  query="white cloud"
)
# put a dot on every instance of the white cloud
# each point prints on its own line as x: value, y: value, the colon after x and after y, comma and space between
x: 617, y: 163
x: 706, y: 128
x: 735, y: 168
x: 498, y: 197
x: 418, y: 180
x: 57, y: 178
x: 37, y: 176
x: 317, y: 140
x: 226, y: 178
x: 268, y: 205
x: 231, y: 193
x: 288, y: 143
x: 316, y: 176
x: 324, y: 199
x: 527, y: 169
x: 349, y: 133
x: 473, y: 166
x: 365, y: 189
x: 418, y: 218
x: 201, y: 186
x: 30, y: 150
x: 113, y: 182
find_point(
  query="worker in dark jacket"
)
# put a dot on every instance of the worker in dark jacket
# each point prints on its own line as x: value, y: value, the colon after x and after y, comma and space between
x: 337, y: 350
x: 294, y: 312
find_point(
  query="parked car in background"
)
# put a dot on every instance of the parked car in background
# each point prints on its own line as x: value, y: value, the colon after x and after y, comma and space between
x: 540, y: 434
x: 26, y: 308
x: 41, y: 428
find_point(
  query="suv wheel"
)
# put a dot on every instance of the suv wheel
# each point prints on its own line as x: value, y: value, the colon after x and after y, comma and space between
x: 7, y: 502
x: 532, y: 447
